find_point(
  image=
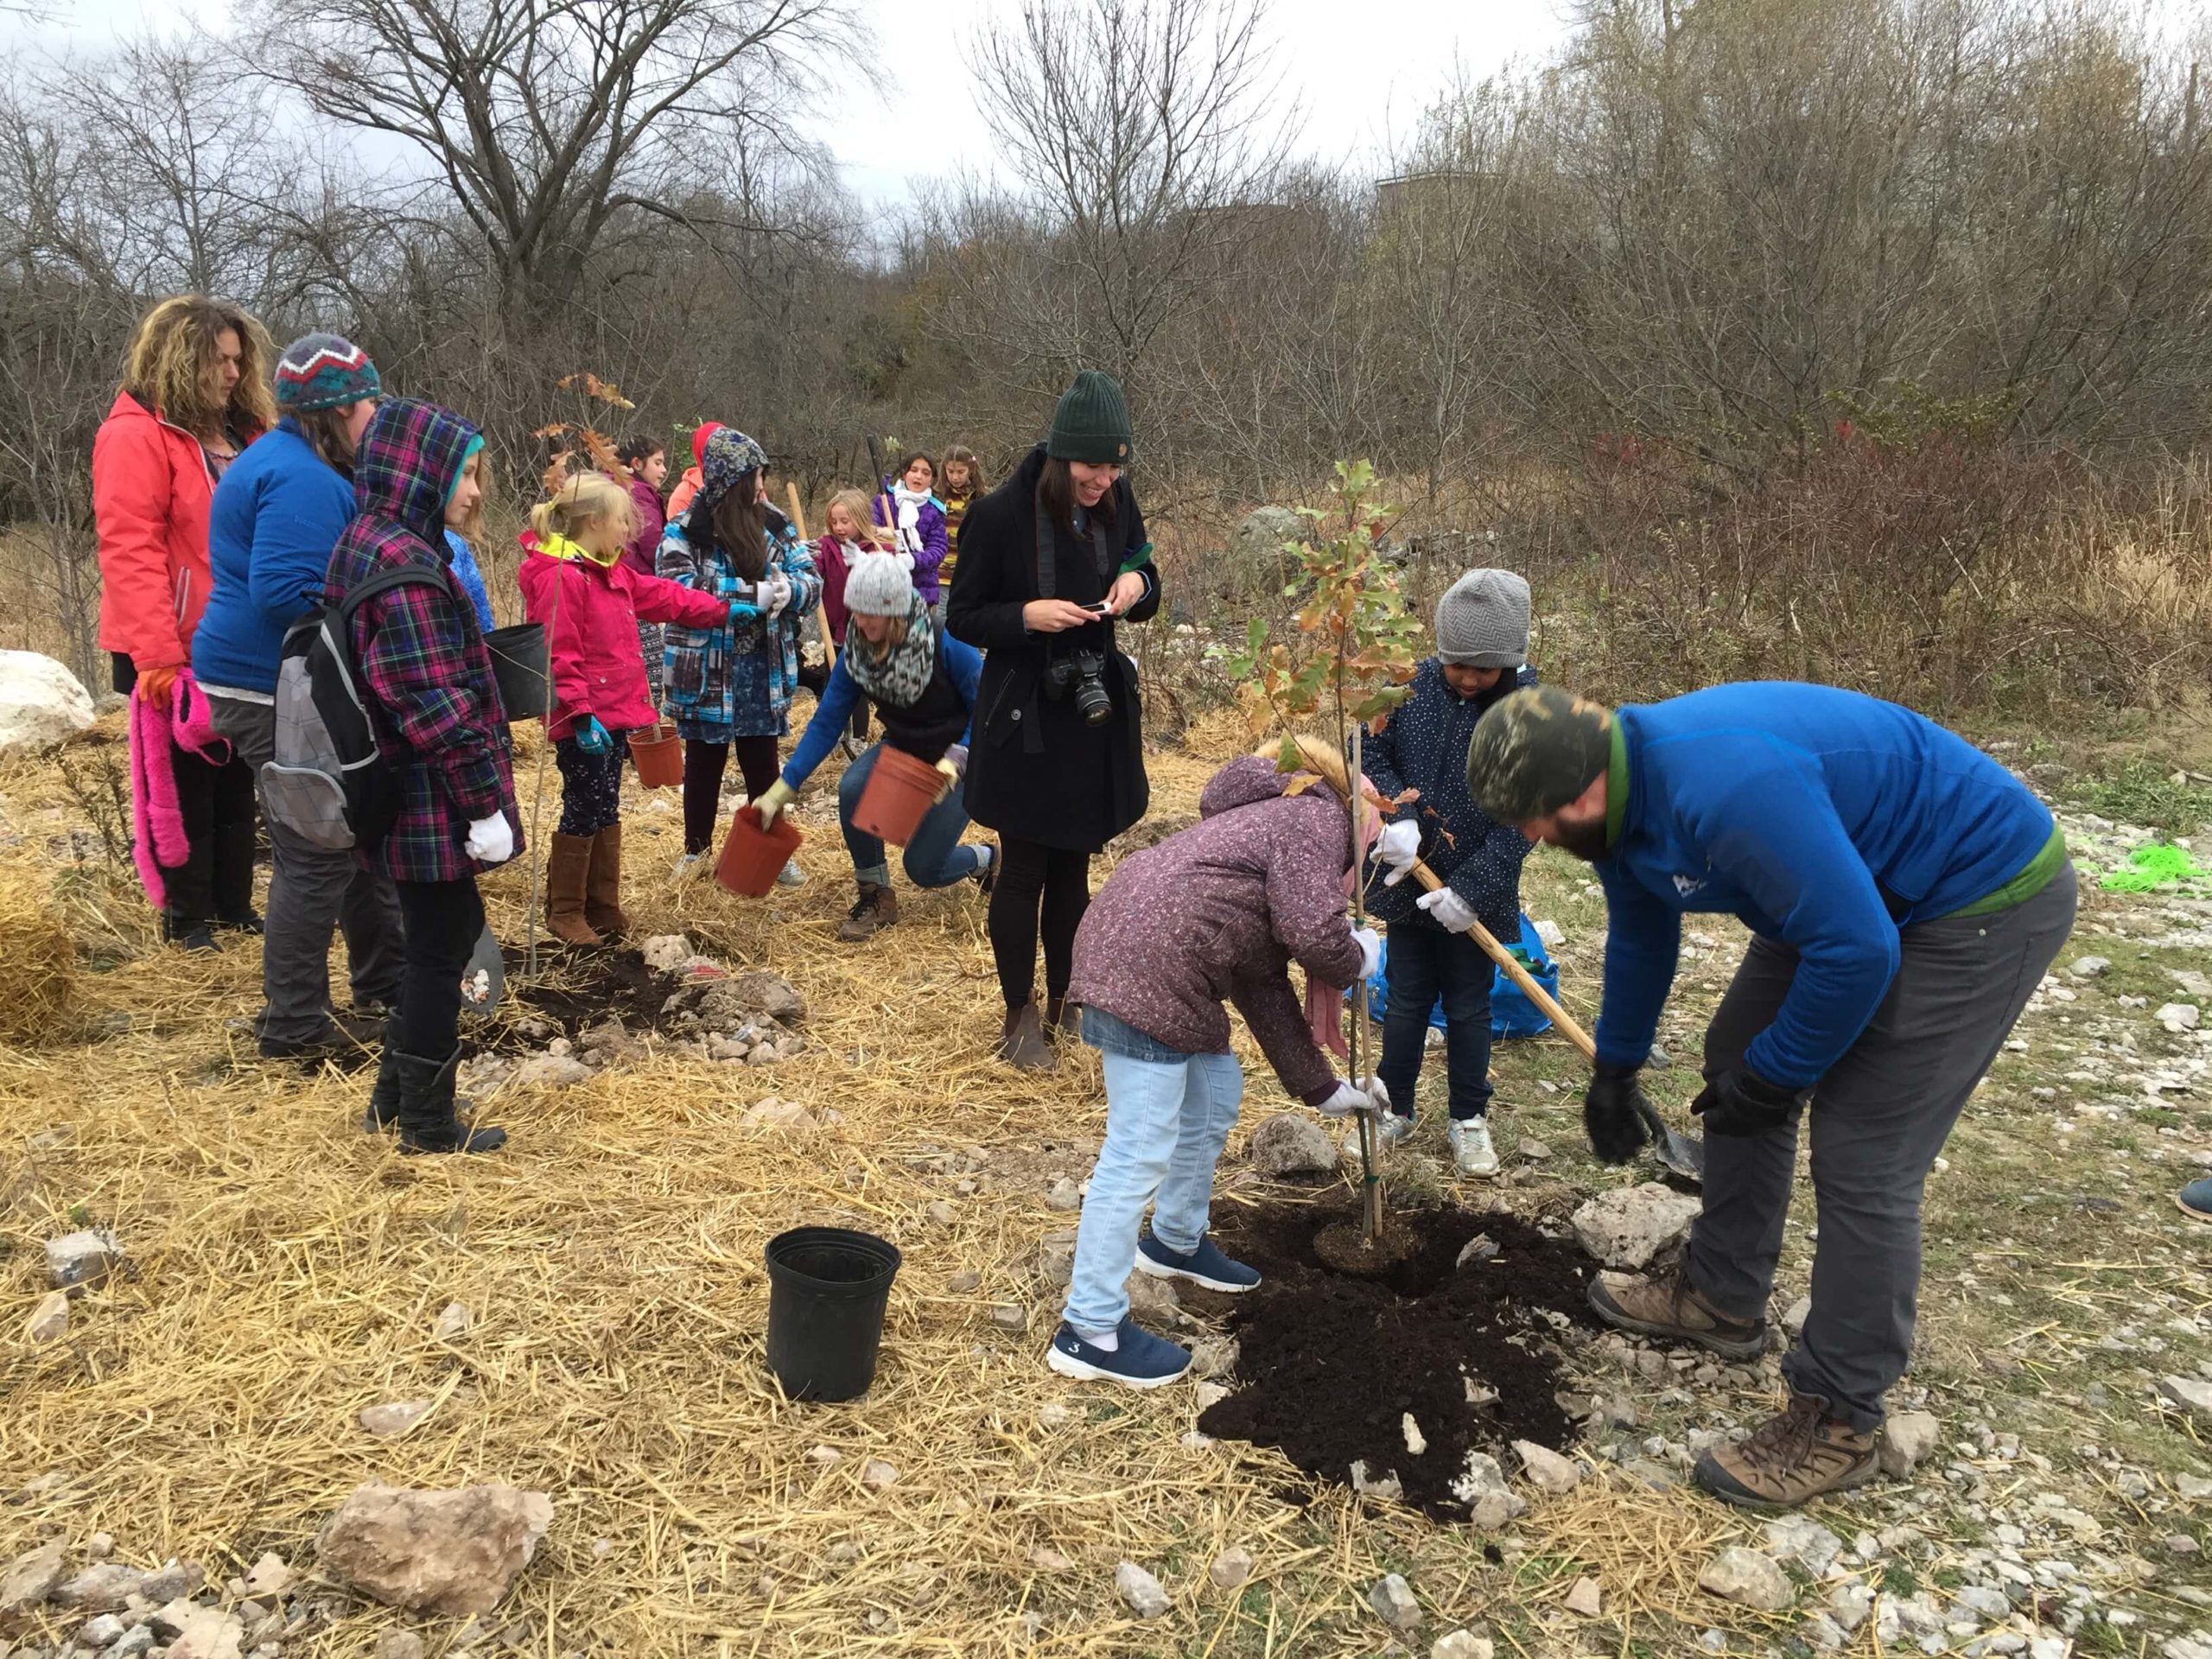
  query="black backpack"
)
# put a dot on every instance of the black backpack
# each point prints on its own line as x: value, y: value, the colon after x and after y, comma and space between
x: 330, y: 783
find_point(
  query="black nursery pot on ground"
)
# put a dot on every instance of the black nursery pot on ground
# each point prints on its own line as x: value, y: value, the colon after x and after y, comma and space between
x: 1330, y: 1365
x: 827, y: 1290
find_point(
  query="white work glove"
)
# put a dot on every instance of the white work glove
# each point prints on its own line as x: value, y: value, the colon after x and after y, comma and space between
x: 1370, y: 951
x: 491, y: 841
x: 775, y: 593
x: 1447, y: 910
x: 1368, y: 1097
x: 1399, y: 847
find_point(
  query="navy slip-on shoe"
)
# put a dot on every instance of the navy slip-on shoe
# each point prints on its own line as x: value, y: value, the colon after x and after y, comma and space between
x: 1205, y: 1266
x: 1139, y: 1360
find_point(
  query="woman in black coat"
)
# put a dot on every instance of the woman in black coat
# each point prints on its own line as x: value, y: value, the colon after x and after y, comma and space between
x: 1048, y: 562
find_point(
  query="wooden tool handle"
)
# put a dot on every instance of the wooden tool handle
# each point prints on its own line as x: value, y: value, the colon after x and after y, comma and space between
x: 1519, y: 975
x: 798, y: 513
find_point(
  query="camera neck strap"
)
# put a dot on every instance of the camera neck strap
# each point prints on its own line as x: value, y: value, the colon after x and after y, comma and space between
x: 1053, y: 539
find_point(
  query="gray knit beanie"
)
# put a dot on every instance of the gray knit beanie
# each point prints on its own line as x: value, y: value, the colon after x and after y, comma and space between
x: 1482, y: 620
x: 881, y: 584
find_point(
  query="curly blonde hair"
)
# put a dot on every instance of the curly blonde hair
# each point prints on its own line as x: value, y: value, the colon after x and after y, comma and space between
x: 171, y: 361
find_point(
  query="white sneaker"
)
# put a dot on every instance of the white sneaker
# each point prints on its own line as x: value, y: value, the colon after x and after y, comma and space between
x: 1390, y: 1130
x: 790, y: 875
x: 690, y: 867
x: 1471, y: 1147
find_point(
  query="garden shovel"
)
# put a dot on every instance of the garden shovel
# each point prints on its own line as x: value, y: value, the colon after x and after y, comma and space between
x: 1678, y: 1153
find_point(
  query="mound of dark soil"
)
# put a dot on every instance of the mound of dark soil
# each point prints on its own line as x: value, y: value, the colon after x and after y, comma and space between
x: 1329, y: 1366
x: 577, y: 989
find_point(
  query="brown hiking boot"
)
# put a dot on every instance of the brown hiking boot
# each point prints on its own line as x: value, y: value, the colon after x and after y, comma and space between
x: 603, y: 884
x: 878, y: 909
x: 567, y: 869
x: 1802, y: 1454
x: 1665, y: 1306
x: 1022, y: 1044
x: 1062, y: 1018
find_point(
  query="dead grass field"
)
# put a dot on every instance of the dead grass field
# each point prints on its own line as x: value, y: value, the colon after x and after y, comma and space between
x: 285, y: 1272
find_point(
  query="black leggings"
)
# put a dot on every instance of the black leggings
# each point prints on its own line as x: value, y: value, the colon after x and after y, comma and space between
x: 442, y: 920
x: 702, y: 783
x: 1037, y: 888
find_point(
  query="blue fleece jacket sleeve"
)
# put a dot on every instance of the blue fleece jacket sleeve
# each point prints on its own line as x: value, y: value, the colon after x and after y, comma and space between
x: 832, y: 715
x: 965, y: 665
x: 1643, y: 937
x: 1774, y: 831
x: 302, y: 513
x: 471, y: 578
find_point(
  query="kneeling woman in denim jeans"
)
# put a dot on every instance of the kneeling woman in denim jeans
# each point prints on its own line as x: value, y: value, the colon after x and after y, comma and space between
x: 923, y: 684
x: 1219, y: 911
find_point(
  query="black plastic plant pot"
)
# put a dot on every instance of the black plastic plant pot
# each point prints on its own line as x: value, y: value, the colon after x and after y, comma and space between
x: 520, y: 664
x: 827, y: 1289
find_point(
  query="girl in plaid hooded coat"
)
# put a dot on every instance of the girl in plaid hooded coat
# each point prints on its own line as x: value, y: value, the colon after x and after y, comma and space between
x: 730, y: 687
x: 427, y: 678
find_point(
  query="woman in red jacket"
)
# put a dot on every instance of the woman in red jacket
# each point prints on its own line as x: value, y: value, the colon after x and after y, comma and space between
x: 576, y: 582
x: 195, y: 391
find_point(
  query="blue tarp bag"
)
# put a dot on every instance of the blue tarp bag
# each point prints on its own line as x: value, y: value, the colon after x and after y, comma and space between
x: 1511, y: 1013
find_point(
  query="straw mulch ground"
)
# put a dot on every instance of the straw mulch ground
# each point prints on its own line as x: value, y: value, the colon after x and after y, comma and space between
x: 286, y: 1271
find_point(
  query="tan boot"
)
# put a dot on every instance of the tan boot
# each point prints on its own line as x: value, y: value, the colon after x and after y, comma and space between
x: 1021, y: 1043
x: 603, y: 884
x: 1063, y: 1019
x: 1788, y: 1461
x: 567, y: 871
x: 1666, y: 1305
x: 878, y: 909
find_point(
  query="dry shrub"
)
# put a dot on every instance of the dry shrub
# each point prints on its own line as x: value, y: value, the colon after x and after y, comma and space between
x: 38, y: 962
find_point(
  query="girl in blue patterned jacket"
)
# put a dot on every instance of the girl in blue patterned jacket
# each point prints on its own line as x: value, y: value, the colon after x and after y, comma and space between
x: 1482, y: 640
x: 731, y: 687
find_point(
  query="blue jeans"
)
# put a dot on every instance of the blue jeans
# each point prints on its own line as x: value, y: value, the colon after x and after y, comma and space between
x: 935, y: 857
x: 1168, y: 1115
x: 1426, y: 961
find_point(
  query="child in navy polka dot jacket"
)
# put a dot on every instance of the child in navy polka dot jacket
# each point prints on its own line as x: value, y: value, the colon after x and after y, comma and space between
x: 1482, y: 642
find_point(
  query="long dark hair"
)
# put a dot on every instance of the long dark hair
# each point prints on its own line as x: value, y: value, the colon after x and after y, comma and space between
x: 1057, y: 489
x: 739, y: 526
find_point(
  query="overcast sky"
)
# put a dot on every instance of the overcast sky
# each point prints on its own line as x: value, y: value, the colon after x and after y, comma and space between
x: 1361, y: 73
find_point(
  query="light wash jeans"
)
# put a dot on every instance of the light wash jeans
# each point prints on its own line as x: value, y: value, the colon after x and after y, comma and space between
x: 1168, y: 1115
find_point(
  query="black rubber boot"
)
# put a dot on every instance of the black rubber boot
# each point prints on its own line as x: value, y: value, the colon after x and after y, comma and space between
x: 427, y: 1119
x: 384, y: 1099
x: 188, y: 933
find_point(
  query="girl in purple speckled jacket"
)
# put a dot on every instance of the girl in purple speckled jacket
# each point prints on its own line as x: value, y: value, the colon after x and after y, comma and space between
x: 1215, y: 913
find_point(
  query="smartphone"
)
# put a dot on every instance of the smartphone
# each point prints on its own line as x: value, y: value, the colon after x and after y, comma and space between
x: 1101, y: 608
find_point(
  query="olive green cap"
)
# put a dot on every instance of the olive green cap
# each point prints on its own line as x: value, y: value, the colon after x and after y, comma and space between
x: 1092, y: 423
x: 1534, y: 750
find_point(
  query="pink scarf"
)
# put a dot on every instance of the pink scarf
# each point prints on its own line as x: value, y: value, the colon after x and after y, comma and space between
x: 1325, y: 1004
x: 161, y: 839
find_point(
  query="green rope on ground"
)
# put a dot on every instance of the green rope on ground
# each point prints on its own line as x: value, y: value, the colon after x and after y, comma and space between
x: 2150, y: 869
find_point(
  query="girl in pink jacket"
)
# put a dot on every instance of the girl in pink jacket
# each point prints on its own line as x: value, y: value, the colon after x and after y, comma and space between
x: 575, y: 582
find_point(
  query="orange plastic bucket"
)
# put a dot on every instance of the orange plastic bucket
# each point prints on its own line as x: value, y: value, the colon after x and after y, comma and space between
x: 900, y: 792
x: 659, y: 755
x: 751, y: 856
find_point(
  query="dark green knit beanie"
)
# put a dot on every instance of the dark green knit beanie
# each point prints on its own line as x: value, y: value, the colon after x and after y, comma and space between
x: 1534, y: 751
x: 1092, y: 423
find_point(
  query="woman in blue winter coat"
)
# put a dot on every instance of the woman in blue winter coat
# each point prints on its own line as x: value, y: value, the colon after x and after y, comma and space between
x: 731, y: 687
x: 276, y: 514
x: 1482, y: 642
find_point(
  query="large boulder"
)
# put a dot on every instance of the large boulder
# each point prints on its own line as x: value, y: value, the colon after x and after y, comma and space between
x: 41, y: 702
x: 1290, y: 1143
x: 1255, y: 545
x: 454, y: 1553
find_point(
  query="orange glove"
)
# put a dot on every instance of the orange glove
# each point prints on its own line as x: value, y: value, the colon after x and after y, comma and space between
x: 155, y: 684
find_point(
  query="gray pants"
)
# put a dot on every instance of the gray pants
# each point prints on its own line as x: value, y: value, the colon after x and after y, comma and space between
x: 311, y: 891
x: 1879, y: 1117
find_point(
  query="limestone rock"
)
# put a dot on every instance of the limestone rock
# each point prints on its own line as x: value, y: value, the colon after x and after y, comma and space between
x: 778, y: 1117
x: 2179, y: 1016
x: 1479, y: 1249
x: 1794, y: 1316
x: 1586, y: 1598
x: 2192, y: 1394
x: 1231, y: 1568
x: 1290, y: 1143
x: 878, y: 1476
x: 1011, y: 1317
x: 966, y: 1282
x: 2089, y: 967
x: 1548, y: 1471
x: 1850, y: 1605
x: 41, y: 702
x: 1490, y: 1503
x: 452, y: 1323
x: 268, y: 1578
x: 1907, y: 1438
x: 1462, y: 1644
x: 1385, y: 1485
x: 1140, y: 1591
x: 1064, y: 1196
x: 49, y: 1320
x: 100, y: 1632
x: 755, y: 993
x: 76, y: 1260
x: 1629, y: 1226
x: 400, y: 1644
x: 666, y: 952
x: 1747, y: 1577
x: 1801, y: 1539
x: 32, y: 1577
x: 210, y: 1633
x: 394, y: 1418
x: 551, y: 1072
x: 1256, y: 546
x: 454, y: 1553
x: 1055, y: 1258
x: 1046, y: 1559
x: 172, y: 1580
x: 102, y: 1589
x: 1392, y: 1598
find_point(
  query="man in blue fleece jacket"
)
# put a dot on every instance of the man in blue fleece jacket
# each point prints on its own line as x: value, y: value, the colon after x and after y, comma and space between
x: 1905, y: 894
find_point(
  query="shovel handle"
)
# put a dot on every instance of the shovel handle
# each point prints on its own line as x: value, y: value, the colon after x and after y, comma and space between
x: 1529, y: 987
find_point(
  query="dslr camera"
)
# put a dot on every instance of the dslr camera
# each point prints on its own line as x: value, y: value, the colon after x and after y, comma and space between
x: 1081, y: 675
